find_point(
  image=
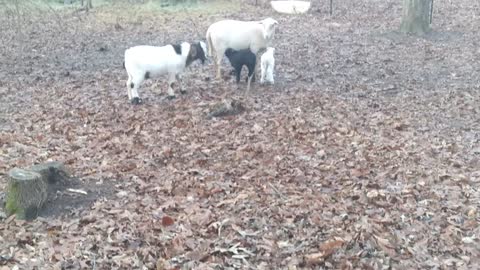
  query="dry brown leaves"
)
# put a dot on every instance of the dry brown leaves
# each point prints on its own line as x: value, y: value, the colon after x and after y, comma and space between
x: 364, y: 155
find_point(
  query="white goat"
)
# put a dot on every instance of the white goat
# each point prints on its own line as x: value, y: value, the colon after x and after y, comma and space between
x: 267, y: 65
x: 143, y: 62
x: 238, y: 35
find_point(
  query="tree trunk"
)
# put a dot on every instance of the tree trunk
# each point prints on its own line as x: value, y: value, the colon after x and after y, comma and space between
x: 88, y: 5
x: 416, y: 16
x: 26, y: 193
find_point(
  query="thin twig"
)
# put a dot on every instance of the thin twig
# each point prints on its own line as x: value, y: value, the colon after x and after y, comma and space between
x: 79, y: 191
x: 277, y: 191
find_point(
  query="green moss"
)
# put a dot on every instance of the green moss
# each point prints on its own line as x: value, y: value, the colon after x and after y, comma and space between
x: 26, y: 193
x: 11, y: 203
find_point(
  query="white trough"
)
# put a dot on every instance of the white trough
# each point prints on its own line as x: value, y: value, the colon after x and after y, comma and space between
x: 290, y: 7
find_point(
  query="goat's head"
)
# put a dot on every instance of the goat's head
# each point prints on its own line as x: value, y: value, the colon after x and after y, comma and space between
x: 269, y: 26
x: 229, y: 52
x: 197, y: 52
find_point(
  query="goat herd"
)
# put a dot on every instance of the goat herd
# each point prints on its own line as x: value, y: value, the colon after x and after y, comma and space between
x: 240, y: 41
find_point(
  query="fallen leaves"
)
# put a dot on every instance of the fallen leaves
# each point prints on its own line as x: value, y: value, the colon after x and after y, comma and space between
x: 326, y: 249
x: 361, y: 156
x: 167, y: 221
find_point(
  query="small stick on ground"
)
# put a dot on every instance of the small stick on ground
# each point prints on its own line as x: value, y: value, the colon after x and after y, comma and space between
x: 278, y: 192
x: 79, y: 191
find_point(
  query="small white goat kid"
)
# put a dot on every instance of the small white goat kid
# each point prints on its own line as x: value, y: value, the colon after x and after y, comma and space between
x: 143, y: 62
x: 239, y: 35
x: 267, y: 66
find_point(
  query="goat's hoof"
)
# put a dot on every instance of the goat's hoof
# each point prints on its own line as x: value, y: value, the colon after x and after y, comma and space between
x: 183, y: 92
x: 171, y: 97
x: 136, y: 101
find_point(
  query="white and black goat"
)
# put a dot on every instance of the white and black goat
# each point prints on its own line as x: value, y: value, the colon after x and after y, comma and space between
x: 241, y: 58
x: 239, y: 35
x: 143, y: 62
x: 267, y: 65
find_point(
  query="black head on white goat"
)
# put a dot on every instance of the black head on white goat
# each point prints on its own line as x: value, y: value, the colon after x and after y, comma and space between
x: 197, y: 52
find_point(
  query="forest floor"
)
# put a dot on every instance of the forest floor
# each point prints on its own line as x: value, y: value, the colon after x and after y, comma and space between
x: 365, y: 154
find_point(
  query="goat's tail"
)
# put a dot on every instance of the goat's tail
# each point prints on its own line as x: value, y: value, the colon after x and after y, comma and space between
x: 209, y: 43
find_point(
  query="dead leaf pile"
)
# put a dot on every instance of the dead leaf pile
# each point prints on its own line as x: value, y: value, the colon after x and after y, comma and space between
x: 363, y: 155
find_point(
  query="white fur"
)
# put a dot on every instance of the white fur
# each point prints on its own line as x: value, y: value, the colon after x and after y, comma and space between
x: 267, y: 65
x: 156, y: 61
x: 238, y: 35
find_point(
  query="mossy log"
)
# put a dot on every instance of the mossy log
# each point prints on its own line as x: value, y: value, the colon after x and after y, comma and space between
x: 52, y: 172
x: 26, y: 193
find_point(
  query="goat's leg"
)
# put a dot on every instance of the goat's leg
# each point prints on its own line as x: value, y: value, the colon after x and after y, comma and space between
x: 129, y: 89
x: 218, y: 60
x: 215, y: 65
x: 257, y: 60
x: 135, y: 98
x: 171, y: 84
x: 178, y: 77
x: 254, y: 70
x: 133, y: 87
x: 262, y: 74
x: 270, y: 74
x: 238, y: 71
x: 251, y: 74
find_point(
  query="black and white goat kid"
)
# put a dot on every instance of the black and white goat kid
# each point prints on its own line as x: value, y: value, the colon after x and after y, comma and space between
x: 143, y: 62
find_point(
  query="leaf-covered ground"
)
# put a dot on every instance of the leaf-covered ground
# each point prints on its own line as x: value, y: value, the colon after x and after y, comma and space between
x: 364, y: 155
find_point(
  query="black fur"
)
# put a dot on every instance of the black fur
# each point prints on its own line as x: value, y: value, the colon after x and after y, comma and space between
x: 241, y: 58
x: 147, y: 75
x: 132, y: 85
x: 177, y: 48
x: 196, y: 53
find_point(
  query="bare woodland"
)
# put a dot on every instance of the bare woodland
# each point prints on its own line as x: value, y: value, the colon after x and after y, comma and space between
x: 365, y: 154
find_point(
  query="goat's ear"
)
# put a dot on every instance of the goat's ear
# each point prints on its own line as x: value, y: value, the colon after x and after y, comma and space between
x: 203, y: 46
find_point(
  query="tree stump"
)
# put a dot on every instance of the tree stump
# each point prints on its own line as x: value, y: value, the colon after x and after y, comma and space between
x: 52, y: 172
x: 26, y: 193
x: 416, y: 17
